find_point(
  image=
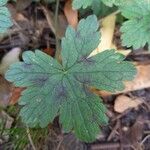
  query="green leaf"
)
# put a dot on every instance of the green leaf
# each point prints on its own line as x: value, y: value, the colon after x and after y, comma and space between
x: 77, y: 4
x: 5, y: 17
x: 3, y: 2
x: 100, y: 9
x: 47, y: 1
x: 81, y: 3
x: 110, y: 3
x: 136, y: 30
x: 54, y: 89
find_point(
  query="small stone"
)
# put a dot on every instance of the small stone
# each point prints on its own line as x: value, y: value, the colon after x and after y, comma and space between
x: 125, y: 129
x: 122, y: 103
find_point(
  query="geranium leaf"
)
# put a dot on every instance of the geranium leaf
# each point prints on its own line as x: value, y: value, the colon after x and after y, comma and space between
x: 77, y: 4
x: 136, y: 30
x: 54, y: 89
x: 5, y: 17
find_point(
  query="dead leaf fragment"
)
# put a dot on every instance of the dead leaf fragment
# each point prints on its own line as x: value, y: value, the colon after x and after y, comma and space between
x: 125, y: 52
x: 10, y: 58
x: 123, y: 103
x: 15, y: 95
x: 71, y: 14
x: 107, y: 33
x: 5, y: 90
x: 23, y: 4
x: 6, y: 122
x: 133, y: 135
x: 9, y: 95
x: 49, y: 51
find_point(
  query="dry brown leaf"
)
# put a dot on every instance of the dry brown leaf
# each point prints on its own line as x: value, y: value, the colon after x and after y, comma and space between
x: 133, y: 135
x: 8, y: 59
x: 20, y: 17
x: 123, y: 103
x: 107, y: 34
x: 5, y: 92
x: 23, y: 4
x: 9, y: 95
x: 71, y: 14
x: 6, y: 123
x: 50, y: 51
x: 122, y: 51
x: 15, y: 95
x: 136, y: 133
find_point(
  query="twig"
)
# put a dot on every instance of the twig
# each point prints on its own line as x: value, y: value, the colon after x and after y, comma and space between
x: 107, y: 146
x: 113, y: 131
x: 49, y: 19
x: 17, y: 25
x: 120, y: 135
x: 145, y: 139
x: 30, y: 139
x: 120, y: 115
x: 59, y: 144
x: 147, y: 132
x: 7, y: 46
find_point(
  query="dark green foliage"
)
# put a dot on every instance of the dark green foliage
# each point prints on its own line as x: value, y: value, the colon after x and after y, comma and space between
x: 85, y: 3
x: 54, y: 89
x: 136, y: 30
x: 5, y: 17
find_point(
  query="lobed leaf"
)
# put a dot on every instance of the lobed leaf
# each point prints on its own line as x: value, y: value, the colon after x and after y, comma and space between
x: 136, y: 30
x: 3, y: 2
x: 81, y: 3
x: 5, y: 17
x: 77, y: 4
x: 54, y: 89
x: 110, y: 3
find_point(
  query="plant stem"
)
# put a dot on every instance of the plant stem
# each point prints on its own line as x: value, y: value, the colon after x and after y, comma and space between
x: 57, y: 54
x: 30, y: 139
